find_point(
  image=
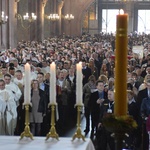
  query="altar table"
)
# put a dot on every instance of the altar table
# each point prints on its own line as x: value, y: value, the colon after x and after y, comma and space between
x: 39, y: 143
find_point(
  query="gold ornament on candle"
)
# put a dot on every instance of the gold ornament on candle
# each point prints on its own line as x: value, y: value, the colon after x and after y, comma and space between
x: 78, y: 133
x: 26, y: 132
x: 121, y: 65
x: 52, y: 133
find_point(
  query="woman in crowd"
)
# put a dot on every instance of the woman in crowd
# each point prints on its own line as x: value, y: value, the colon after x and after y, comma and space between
x: 38, y: 109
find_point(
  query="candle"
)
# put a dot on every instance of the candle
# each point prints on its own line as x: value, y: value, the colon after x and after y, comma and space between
x: 120, y: 107
x: 53, y: 83
x: 27, y: 85
x: 2, y: 15
x: 79, y: 84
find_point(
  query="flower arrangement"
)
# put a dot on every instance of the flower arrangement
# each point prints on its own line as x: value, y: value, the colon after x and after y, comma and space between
x: 119, y: 124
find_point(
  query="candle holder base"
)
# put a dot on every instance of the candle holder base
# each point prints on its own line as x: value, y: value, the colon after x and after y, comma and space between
x: 78, y: 133
x: 26, y: 132
x: 52, y: 133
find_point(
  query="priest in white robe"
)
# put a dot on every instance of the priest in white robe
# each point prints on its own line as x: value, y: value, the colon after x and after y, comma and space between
x: 19, y: 79
x: 13, y: 87
x: 8, y: 113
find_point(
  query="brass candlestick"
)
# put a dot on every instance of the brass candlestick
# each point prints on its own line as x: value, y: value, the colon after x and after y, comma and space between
x: 52, y: 133
x: 78, y: 133
x: 26, y: 132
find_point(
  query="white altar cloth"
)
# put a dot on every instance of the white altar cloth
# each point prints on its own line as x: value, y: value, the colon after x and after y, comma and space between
x: 39, y: 143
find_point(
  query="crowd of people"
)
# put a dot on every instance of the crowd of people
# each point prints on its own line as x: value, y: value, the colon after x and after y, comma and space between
x: 97, y: 54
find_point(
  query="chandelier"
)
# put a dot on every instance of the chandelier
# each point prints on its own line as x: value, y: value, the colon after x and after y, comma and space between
x: 31, y: 18
x: 26, y: 17
x: 69, y: 17
x: 3, y: 18
x: 53, y: 17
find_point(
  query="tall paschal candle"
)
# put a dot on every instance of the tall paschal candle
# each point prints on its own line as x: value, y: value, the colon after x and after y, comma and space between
x: 121, y: 65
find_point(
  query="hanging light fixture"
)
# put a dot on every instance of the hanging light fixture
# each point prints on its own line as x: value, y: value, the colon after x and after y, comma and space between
x: 30, y: 18
x: 26, y: 17
x: 69, y: 17
x: 53, y: 17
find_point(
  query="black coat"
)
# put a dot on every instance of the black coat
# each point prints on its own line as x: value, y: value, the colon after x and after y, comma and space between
x: 141, y: 95
x: 145, y: 107
x: 133, y: 110
x: 94, y: 107
x: 104, y: 109
x: 86, y: 73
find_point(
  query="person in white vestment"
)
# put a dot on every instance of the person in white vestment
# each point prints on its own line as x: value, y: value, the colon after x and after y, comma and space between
x: 8, y: 113
x: 19, y: 80
x: 13, y: 87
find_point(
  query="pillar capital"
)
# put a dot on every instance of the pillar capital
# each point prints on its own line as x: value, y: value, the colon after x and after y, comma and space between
x: 44, y: 2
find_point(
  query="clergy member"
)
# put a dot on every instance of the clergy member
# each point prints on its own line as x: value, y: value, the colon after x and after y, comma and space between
x: 8, y: 113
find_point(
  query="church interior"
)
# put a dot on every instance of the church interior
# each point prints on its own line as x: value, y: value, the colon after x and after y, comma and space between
x: 49, y: 100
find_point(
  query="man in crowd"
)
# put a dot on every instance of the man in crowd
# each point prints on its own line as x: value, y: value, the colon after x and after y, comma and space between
x: 44, y: 87
x: 64, y: 90
x: 95, y: 102
x: 103, y: 136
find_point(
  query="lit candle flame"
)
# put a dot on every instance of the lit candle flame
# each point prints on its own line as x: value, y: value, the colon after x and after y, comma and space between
x: 121, y: 11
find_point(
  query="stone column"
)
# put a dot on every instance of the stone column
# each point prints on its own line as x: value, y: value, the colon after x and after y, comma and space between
x: 60, y: 4
x: 67, y: 23
x: 0, y: 26
x: 12, y: 23
x: 54, y: 24
x: 32, y: 8
x: 40, y: 20
x: 99, y: 16
x: 4, y: 40
x: 129, y: 7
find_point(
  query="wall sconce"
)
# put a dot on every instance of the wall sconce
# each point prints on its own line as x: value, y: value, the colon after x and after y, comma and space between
x: 26, y: 17
x: 52, y: 17
x: 69, y: 17
x: 3, y: 18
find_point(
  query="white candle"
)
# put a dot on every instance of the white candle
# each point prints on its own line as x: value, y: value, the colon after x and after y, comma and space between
x: 79, y: 84
x: 53, y: 83
x: 27, y: 85
x: 2, y: 15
